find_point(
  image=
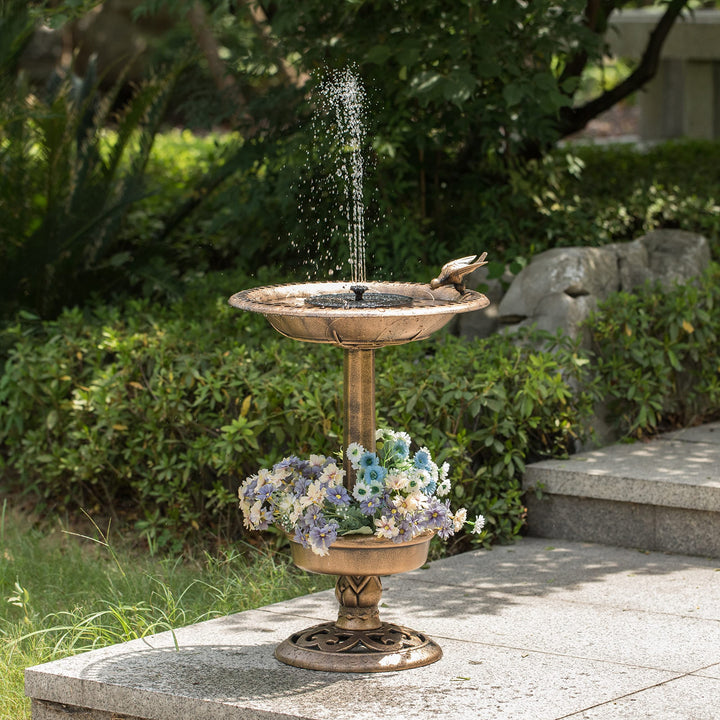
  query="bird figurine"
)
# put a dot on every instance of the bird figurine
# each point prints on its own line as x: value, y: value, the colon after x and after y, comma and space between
x: 454, y: 272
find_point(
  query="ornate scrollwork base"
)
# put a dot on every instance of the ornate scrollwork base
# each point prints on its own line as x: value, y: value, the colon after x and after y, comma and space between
x: 335, y: 649
x: 358, y: 641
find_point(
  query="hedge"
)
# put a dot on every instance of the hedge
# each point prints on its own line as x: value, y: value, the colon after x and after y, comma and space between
x: 153, y: 414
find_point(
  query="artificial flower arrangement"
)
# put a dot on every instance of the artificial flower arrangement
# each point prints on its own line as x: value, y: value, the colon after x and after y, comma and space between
x: 397, y: 496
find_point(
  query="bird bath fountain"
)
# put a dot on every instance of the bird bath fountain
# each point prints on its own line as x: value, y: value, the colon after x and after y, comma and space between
x: 361, y: 318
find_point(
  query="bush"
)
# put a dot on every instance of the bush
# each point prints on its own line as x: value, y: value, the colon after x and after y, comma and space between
x: 155, y: 413
x: 579, y: 195
x: 656, y: 354
x: 489, y: 406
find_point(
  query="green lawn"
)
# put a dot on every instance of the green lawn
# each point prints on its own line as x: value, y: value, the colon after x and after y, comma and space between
x: 61, y: 593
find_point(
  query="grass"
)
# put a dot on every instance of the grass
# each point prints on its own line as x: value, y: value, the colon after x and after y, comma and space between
x: 62, y: 593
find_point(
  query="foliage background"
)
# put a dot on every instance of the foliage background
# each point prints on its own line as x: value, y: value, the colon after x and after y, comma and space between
x: 129, y: 389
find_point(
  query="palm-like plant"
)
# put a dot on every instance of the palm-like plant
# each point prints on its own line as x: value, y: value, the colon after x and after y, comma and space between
x: 66, y: 182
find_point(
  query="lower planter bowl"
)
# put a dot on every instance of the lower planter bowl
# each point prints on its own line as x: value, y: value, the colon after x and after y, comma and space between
x: 364, y: 555
x: 358, y: 641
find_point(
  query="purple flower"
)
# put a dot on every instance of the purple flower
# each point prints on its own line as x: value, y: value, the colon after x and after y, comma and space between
x: 313, y: 518
x: 266, y: 517
x: 436, y: 514
x: 289, y: 462
x: 321, y: 538
x: 370, y: 505
x: 301, y: 536
x: 338, y: 495
x: 247, y: 489
x: 405, y: 532
x: 301, y: 485
x: 446, y: 529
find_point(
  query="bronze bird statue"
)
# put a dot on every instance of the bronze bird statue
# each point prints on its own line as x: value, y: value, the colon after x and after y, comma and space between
x: 454, y: 272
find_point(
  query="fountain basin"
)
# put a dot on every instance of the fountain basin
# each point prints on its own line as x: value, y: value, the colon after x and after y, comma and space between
x: 357, y: 327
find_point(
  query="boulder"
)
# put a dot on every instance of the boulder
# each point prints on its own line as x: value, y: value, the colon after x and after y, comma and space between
x: 575, y: 271
x: 676, y: 255
x: 559, y: 288
x: 633, y: 262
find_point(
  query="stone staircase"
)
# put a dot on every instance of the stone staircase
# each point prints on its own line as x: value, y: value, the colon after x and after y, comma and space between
x: 658, y: 495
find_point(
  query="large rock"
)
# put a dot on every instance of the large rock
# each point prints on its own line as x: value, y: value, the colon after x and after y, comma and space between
x: 633, y: 261
x: 562, y: 286
x: 676, y: 255
x: 574, y: 271
x: 665, y: 255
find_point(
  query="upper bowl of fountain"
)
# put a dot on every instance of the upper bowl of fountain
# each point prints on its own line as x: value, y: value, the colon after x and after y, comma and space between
x: 357, y: 324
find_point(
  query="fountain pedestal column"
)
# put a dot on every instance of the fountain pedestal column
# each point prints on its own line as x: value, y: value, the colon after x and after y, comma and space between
x: 359, y: 403
x: 358, y: 641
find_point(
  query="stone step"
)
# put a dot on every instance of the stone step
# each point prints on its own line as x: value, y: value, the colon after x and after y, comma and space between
x: 658, y: 495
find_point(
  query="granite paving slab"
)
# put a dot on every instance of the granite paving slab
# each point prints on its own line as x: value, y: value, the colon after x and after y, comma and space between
x: 533, y: 631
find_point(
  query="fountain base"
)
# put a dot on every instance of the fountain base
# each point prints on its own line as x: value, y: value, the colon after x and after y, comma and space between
x: 335, y: 649
x: 358, y: 641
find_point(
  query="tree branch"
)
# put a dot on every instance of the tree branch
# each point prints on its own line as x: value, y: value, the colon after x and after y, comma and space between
x: 208, y: 45
x: 574, y: 119
x: 597, y: 13
x: 260, y: 21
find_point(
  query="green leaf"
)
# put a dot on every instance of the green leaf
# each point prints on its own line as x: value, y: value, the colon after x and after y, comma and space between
x: 379, y: 54
x: 458, y: 87
x: 514, y: 94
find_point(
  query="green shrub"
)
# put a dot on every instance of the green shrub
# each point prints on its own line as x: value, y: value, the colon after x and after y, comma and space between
x: 656, y: 354
x: 489, y: 406
x: 155, y: 413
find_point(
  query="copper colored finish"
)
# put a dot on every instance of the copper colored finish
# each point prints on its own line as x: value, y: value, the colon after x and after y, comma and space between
x: 358, y: 597
x: 357, y: 327
x: 359, y: 641
x: 359, y: 403
x: 328, y: 647
x: 364, y: 555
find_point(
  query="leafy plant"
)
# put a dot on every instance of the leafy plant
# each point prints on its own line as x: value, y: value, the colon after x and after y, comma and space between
x: 66, y: 185
x: 656, y: 355
x: 154, y: 413
x: 493, y: 406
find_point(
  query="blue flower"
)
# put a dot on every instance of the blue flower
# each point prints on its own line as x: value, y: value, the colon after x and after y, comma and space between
x: 430, y: 488
x: 338, y: 495
x: 423, y: 459
x: 373, y: 475
x: 368, y: 459
x: 395, y: 450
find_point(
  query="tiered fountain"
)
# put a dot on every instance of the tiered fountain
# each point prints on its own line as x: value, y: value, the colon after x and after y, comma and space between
x: 360, y: 318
